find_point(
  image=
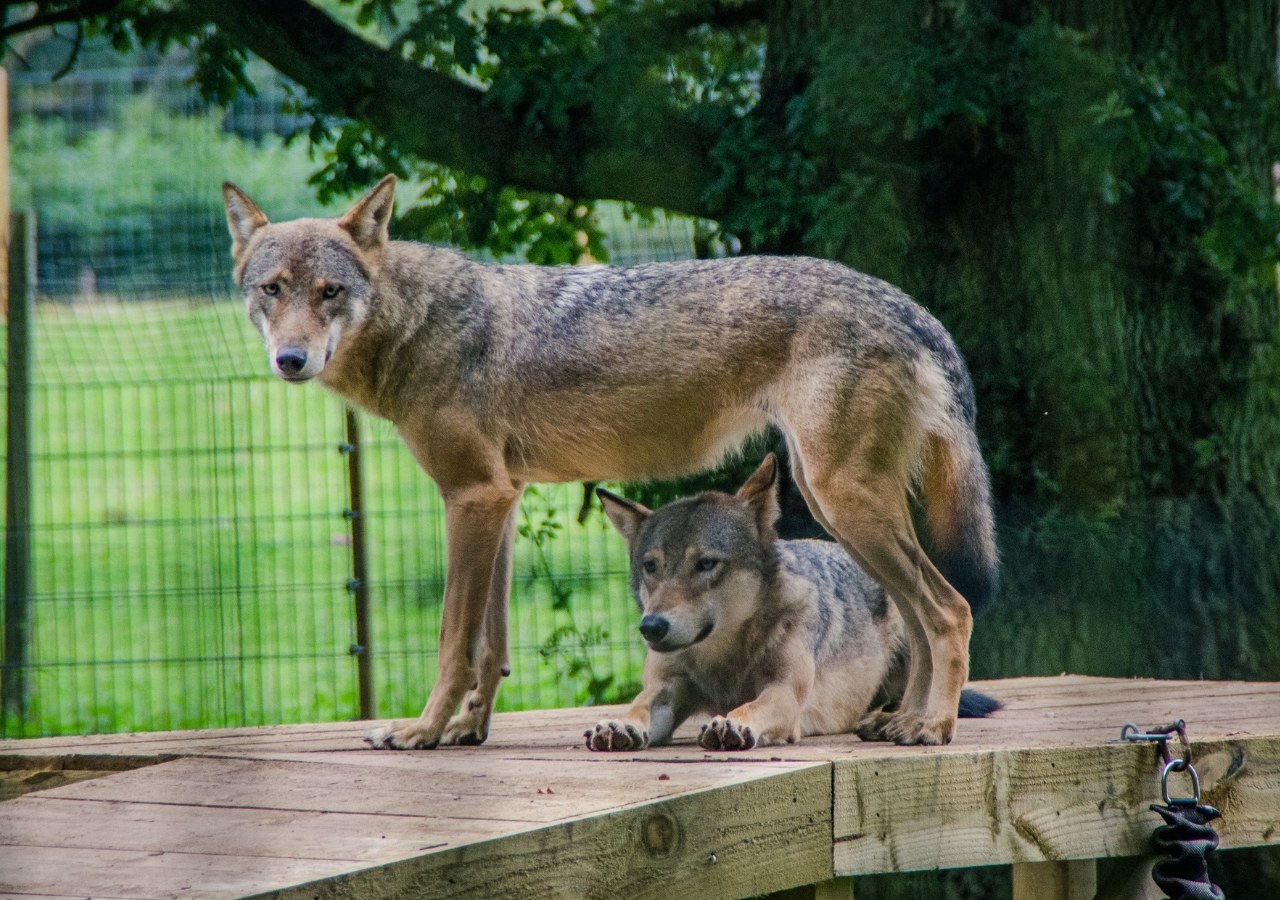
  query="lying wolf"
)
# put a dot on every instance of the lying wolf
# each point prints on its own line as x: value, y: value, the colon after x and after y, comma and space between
x: 498, y: 375
x: 777, y: 639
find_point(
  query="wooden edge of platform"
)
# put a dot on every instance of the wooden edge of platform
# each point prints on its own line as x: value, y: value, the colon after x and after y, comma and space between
x: 1040, y: 805
x: 744, y: 839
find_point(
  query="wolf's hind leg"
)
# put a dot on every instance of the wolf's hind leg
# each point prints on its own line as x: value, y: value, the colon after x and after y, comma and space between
x: 880, y: 724
x: 862, y: 496
x: 872, y: 726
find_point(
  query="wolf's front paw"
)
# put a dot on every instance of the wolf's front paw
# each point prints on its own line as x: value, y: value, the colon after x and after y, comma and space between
x: 407, y: 736
x: 725, y: 734
x: 469, y: 727
x: 915, y: 729
x: 611, y: 735
x: 872, y: 726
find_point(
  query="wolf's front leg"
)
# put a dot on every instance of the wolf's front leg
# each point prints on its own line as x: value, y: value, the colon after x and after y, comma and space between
x: 666, y: 701
x: 476, y: 524
x: 631, y: 731
x: 773, y: 717
x: 492, y: 664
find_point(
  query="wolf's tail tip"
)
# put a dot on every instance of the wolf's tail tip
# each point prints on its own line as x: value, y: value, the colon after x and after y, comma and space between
x: 977, y: 705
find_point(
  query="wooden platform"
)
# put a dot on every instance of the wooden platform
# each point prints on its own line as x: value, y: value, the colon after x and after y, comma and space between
x: 307, y: 811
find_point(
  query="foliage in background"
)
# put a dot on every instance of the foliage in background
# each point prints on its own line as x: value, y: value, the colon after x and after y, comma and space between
x: 1081, y: 196
x: 1082, y: 199
x: 1079, y: 189
x: 572, y: 648
x: 145, y: 162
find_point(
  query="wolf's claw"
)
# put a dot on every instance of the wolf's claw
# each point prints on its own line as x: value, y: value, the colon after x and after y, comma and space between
x: 616, y: 736
x: 916, y: 729
x: 469, y: 728
x: 407, y: 737
x: 725, y: 734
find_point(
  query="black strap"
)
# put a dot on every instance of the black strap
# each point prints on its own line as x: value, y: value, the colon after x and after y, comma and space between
x: 1186, y: 838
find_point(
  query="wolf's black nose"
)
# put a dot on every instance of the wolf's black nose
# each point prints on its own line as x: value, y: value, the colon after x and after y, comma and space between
x: 654, y: 628
x: 291, y: 360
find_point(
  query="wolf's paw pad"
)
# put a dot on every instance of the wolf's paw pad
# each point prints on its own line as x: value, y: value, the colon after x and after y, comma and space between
x: 914, y: 729
x: 725, y: 734
x: 402, y: 737
x: 610, y: 735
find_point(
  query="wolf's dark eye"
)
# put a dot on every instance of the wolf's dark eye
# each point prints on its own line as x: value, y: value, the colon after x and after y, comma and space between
x: 271, y: 289
x: 650, y: 566
x: 331, y: 290
x: 706, y: 564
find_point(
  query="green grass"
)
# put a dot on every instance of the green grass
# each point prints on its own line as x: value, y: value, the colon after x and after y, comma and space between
x: 190, y: 557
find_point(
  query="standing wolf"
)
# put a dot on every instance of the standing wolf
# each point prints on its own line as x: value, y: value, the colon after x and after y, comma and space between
x: 777, y: 639
x: 497, y: 375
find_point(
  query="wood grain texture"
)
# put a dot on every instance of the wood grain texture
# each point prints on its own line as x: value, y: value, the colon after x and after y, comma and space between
x: 1075, y: 879
x: 737, y: 841
x: 305, y: 810
x: 1035, y: 805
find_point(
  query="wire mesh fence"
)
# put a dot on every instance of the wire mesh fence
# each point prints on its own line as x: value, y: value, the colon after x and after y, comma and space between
x: 189, y: 528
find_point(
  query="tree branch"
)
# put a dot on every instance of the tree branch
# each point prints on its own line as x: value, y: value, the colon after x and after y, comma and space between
x: 732, y: 14
x: 442, y: 119
x: 77, y: 13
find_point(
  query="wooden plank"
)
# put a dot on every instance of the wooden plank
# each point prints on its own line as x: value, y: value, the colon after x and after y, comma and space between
x: 532, y: 813
x: 1127, y: 878
x: 742, y: 840
x: 147, y: 874
x: 43, y: 824
x: 19, y: 782
x: 1041, y: 712
x: 1075, y: 879
x: 513, y: 793
x: 897, y: 814
x: 834, y: 889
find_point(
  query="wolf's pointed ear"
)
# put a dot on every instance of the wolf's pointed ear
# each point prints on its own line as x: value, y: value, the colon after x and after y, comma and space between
x: 760, y: 493
x: 243, y: 217
x: 626, y: 515
x: 368, y: 220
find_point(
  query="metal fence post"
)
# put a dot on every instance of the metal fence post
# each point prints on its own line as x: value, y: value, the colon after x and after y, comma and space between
x: 17, y: 534
x: 359, y: 583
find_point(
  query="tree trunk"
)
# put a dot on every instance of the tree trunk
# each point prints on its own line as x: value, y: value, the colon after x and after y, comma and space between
x: 1113, y: 363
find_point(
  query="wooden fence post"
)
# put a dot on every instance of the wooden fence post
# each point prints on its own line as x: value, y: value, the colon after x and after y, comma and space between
x: 17, y: 533
x: 359, y: 583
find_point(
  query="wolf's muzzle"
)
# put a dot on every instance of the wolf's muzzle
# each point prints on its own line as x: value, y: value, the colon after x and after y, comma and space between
x: 656, y: 631
x: 654, y: 628
x: 291, y: 361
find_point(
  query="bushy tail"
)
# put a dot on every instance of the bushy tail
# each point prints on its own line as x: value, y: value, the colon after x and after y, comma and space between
x: 977, y: 705
x: 957, y: 508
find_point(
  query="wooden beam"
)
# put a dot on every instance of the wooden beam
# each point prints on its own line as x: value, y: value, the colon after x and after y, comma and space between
x: 744, y: 840
x: 835, y: 889
x: 299, y: 809
x: 14, y: 683
x: 1127, y: 878
x: 1075, y: 879
x: 832, y: 889
x: 1036, y: 805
